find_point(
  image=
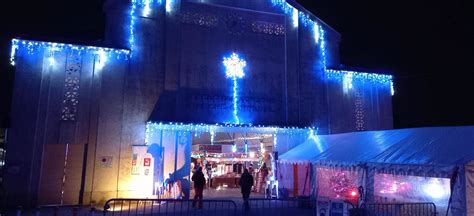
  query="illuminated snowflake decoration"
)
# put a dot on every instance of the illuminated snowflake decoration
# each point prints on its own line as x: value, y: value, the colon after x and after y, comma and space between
x: 234, y: 66
x: 234, y: 69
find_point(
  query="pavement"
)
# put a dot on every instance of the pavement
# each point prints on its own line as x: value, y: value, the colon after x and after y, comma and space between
x: 217, y: 202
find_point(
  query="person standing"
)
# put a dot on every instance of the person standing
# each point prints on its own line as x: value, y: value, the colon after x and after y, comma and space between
x: 246, y: 183
x: 199, y: 182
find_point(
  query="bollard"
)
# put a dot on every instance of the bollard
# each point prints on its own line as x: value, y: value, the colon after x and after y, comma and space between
x: 92, y: 211
x: 74, y: 211
x: 18, y: 212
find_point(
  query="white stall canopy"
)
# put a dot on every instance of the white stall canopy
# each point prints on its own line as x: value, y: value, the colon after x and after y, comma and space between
x: 440, y: 146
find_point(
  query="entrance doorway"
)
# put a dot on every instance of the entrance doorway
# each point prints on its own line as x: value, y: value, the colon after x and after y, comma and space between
x: 173, y: 151
x: 223, y: 157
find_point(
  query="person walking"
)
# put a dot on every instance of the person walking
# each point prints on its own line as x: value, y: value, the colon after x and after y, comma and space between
x: 199, y: 182
x: 246, y: 183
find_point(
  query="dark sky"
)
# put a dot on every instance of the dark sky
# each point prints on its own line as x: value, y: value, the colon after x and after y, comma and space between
x: 427, y: 45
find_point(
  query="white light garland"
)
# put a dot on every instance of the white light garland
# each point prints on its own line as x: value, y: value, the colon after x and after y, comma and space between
x: 51, y: 57
x: 146, y: 5
x: 275, y: 142
x: 34, y: 46
x: 295, y: 17
x: 102, y: 59
x: 152, y: 127
x: 360, y: 76
x: 347, y: 82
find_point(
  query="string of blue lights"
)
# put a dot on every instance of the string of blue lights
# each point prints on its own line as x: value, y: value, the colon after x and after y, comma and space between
x: 32, y: 47
x: 153, y: 127
x: 319, y: 36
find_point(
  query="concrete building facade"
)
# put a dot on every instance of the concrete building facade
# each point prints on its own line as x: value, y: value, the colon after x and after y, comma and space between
x: 77, y: 110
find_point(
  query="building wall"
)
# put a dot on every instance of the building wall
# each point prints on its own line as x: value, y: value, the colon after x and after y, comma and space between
x: 42, y: 141
x: 175, y: 73
x: 363, y: 107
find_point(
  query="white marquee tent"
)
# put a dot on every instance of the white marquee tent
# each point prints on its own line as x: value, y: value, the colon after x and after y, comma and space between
x: 406, y: 165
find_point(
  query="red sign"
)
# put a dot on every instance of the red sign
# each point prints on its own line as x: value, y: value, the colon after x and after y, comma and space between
x: 146, y: 162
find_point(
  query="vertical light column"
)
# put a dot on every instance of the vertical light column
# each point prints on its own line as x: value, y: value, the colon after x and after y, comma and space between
x: 235, y: 70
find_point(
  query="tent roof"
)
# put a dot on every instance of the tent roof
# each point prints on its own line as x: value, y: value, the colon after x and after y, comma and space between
x: 414, y: 146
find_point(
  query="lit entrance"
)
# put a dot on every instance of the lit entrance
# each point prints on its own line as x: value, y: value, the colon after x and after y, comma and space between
x: 224, y: 158
x: 164, y: 166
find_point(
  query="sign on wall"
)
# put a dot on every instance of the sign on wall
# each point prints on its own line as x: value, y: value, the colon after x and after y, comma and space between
x: 142, y: 170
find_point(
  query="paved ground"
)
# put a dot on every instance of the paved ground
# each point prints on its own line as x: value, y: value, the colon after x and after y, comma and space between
x: 231, y: 206
x: 227, y: 194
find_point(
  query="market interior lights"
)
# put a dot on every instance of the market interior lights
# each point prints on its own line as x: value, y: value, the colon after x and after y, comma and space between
x: 354, y: 193
x: 252, y: 154
x: 434, y: 188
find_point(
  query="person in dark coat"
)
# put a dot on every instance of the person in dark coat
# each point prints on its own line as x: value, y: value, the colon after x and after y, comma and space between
x: 199, y: 182
x: 246, y: 183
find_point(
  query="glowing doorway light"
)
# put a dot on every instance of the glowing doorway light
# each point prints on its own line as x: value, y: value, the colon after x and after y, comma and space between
x: 234, y: 66
x: 234, y: 148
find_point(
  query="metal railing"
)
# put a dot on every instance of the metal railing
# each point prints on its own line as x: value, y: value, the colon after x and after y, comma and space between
x: 171, y: 207
x: 272, y: 207
x: 400, y: 209
x: 277, y: 207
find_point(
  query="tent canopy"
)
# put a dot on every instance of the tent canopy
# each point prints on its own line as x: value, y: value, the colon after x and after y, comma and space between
x: 445, y: 146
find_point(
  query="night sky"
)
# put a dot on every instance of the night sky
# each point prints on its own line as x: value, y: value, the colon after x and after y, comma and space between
x: 427, y: 45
